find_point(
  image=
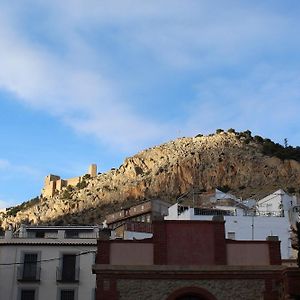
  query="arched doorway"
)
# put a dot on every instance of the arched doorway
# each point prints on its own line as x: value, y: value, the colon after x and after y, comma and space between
x: 191, y: 293
x: 190, y: 297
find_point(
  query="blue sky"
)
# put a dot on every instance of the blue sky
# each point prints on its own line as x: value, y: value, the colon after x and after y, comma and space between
x: 96, y: 81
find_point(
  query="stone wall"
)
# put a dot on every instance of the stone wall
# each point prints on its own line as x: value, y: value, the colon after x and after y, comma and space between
x: 161, y: 289
x: 54, y: 183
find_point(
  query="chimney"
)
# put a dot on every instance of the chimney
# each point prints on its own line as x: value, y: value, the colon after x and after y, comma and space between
x: 9, y: 233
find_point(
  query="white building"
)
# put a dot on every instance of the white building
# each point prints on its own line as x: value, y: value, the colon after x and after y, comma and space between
x: 48, y: 262
x: 276, y: 204
x: 242, y: 223
x: 219, y: 195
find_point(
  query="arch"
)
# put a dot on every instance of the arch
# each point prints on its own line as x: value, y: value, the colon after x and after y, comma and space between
x: 191, y: 291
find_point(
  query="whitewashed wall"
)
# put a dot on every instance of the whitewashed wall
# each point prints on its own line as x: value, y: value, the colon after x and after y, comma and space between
x: 242, y: 226
x: 48, y: 286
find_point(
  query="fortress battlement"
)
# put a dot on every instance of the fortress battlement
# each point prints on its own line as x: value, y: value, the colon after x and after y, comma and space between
x: 53, y: 183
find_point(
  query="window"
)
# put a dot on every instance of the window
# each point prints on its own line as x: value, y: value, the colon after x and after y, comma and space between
x: 27, y: 294
x: 30, y: 269
x: 67, y: 295
x: 40, y: 234
x: 68, y: 272
x: 72, y: 234
x: 148, y: 218
x: 70, y: 293
x: 231, y: 235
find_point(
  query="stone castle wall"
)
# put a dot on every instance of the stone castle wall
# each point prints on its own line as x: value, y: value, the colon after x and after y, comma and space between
x: 53, y: 183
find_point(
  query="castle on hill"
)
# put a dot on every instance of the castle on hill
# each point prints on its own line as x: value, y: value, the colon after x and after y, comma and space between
x: 54, y: 184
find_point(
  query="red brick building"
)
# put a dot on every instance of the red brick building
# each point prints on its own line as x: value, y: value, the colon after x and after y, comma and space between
x: 193, y: 260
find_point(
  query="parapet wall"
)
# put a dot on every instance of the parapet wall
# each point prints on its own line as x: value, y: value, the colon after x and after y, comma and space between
x: 53, y: 183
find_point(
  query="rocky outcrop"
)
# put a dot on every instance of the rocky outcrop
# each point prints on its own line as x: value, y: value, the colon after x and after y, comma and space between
x: 167, y: 171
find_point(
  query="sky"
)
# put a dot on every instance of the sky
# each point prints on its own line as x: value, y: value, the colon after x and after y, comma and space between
x: 96, y: 81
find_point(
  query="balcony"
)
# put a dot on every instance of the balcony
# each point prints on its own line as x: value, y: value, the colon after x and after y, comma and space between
x: 67, y: 275
x: 28, y: 273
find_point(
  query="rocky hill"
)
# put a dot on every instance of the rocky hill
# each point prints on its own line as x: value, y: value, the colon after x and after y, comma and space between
x: 247, y: 166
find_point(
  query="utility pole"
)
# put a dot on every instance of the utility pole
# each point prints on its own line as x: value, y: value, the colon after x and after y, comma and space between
x: 252, y: 225
x: 298, y: 243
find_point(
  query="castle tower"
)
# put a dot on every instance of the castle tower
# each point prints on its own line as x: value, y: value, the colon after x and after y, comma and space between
x: 50, y: 185
x: 93, y: 170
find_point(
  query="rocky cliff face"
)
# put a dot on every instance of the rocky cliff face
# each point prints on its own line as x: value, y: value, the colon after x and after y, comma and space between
x: 166, y: 172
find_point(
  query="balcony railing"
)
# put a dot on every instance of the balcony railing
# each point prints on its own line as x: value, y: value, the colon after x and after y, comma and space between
x: 82, y: 235
x: 29, y: 273
x: 67, y: 275
x: 251, y: 213
x: 271, y: 213
x: 213, y: 212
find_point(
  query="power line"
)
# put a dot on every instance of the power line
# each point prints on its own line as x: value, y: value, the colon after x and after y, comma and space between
x: 47, y: 260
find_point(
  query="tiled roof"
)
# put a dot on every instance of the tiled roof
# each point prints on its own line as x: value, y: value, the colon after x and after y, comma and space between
x: 50, y: 242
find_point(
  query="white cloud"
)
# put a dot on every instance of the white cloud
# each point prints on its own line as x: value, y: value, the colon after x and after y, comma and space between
x: 266, y: 101
x: 86, y: 100
x: 186, y: 34
x: 8, y: 168
x: 181, y: 35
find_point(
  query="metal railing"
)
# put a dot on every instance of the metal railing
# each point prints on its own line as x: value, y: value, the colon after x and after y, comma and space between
x: 67, y: 275
x: 69, y: 235
x: 251, y: 213
x: 81, y: 235
x: 213, y: 212
x: 29, y: 272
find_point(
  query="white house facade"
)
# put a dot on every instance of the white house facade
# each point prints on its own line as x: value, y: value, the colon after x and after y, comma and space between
x: 242, y: 223
x: 48, y: 263
x: 276, y: 203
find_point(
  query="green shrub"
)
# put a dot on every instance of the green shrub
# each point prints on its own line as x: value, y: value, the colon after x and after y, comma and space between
x: 231, y: 130
x: 82, y: 184
x: 258, y: 139
x: 274, y: 149
x: 12, y: 211
x: 70, y: 188
x: 291, y: 190
x: 219, y: 131
x: 66, y: 194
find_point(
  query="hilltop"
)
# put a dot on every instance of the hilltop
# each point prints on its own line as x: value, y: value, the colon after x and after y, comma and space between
x: 247, y: 166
